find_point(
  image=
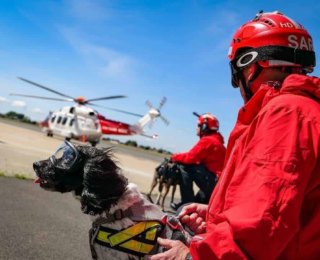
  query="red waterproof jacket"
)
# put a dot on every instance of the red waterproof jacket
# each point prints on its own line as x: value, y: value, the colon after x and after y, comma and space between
x: 266, y: 204
x: 209, y: 151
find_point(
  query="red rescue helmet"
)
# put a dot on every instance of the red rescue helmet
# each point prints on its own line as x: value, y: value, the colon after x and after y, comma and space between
x: 208, y: 122
x: 271, y: 39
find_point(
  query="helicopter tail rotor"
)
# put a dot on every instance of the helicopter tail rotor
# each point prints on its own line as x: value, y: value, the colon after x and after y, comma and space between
x: 149, y: 104
x: 162, y: 102
x: 150, y: 117
x: 154, y: 113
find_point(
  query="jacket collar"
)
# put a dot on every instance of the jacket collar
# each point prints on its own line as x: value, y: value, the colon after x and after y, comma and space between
x: 294, y: 84
x: 302, y: 85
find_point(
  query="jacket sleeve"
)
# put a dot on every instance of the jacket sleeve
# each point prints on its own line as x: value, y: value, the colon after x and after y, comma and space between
x: 195, y: 155
x: 256, y: 208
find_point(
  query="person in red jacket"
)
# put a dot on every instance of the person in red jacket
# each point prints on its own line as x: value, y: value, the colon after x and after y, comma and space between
x: 203, y: 163
x: 266, y: 204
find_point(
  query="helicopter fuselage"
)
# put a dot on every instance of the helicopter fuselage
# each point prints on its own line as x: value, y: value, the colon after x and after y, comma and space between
x: 84, y: 123
x: 75, y: 122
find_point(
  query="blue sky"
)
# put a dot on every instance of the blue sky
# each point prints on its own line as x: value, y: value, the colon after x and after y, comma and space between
x: 142, y: 49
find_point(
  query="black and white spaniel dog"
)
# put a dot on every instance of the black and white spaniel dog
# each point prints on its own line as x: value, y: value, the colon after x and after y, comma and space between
x: 125, y: 224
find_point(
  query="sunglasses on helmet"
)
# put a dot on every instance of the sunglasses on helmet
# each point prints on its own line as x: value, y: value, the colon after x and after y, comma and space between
x: 303, y: 58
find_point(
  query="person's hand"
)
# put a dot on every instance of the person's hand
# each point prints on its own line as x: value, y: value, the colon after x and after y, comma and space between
x: 193, y: 216
x: 176, y: 250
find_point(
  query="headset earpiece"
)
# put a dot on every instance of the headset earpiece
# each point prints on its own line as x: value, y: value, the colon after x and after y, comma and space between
x: 205, y: 126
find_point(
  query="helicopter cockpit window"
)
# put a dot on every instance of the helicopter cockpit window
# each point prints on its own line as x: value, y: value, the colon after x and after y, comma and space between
x: 53, y: 118
x: 91, y: 113
x: 64, y: 120
x: 59, y: 120
x: 71, y: 122
x: 71, y: 111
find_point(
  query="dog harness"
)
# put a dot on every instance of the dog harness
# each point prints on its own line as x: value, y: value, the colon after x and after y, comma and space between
x: 139, y: 239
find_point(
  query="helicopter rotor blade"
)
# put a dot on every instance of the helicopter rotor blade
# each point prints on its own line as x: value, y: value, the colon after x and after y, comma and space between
x: 162, y: 102
x: 148, y: 103
x: 166, y: 121
x: 39, y: 97
x: 43, y: 87
x: 105, y: 98
x: 118, y: 110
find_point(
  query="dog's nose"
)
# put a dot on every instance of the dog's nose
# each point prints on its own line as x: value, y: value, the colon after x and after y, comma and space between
x: 36, y: 166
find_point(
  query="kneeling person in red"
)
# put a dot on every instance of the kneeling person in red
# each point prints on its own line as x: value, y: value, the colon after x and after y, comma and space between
x: 203, y: 163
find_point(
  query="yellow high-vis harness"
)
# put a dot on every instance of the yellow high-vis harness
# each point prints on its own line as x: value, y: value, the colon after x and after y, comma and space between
x: 139, y: 239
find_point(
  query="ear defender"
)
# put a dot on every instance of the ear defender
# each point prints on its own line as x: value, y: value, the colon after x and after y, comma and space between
x: 204, y: 126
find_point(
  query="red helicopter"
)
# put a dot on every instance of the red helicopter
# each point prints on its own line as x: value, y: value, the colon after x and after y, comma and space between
x: 84, y: 123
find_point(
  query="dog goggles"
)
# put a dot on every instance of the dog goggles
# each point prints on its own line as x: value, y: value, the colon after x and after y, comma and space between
x: 65, y: 157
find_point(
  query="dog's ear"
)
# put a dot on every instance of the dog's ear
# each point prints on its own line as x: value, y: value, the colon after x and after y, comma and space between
x: 103, y: 181
x: 89, y: 152
x: 86, y: 151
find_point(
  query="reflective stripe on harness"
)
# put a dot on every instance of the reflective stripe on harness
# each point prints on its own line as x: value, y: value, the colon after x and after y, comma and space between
x: 138, y: 239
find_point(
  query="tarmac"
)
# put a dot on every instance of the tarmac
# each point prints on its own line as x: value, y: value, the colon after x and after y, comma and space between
x: 36, y: 224
x: 22, y: 144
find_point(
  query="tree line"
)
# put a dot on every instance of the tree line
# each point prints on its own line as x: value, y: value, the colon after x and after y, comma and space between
x: 22, y: 118
x: 19, y: 117
x: 135, y: 144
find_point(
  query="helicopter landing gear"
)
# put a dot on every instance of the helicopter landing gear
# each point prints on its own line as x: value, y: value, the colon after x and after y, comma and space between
x: 67, y: 139
x: 49, y: 134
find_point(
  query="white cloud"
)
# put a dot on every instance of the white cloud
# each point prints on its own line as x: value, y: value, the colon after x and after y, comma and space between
x: 37, y: 110
x: 3, y: 100
x: 107, y: 61
x: 113, y: 63
x: 18, y: 103
x: 87, y: 9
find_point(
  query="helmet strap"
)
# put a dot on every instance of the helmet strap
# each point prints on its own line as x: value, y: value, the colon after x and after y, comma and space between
x: 247, y: 87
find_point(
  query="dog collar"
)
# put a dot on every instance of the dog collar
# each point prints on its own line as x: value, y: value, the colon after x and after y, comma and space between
x: 111, y: 217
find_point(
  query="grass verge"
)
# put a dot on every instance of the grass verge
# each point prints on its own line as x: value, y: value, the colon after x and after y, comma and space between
x: 19, y: 176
